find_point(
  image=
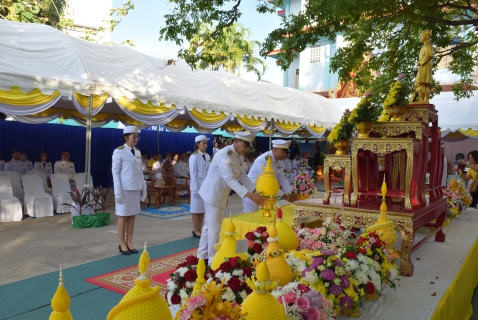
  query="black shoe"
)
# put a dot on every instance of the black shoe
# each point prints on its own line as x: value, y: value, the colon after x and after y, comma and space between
x: 132, y: 250
x: 206, y: 262
x: 126, y: 252
x: 195, y: 235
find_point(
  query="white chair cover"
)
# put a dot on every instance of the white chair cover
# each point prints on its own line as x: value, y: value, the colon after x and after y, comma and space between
x: 42, y: 176
x: 61, y: 186
x: 10, y: 207
x: 16, y: 184
x: 38, y: 203
x: 80, y: 181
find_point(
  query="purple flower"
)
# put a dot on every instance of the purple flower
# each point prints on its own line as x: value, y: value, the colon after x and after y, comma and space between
x: 344, y: 281
x: 317, y: 261
x: 346, y: 302
x: 338, y: 263
x: 303, y: 303
x: 314, y: 298
x: 327, y: 252
x: 335, y: 289
x: 305, y: 271
x: 327, y: 275
x: 368, y: 94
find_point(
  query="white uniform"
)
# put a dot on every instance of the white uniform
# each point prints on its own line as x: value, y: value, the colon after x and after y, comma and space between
x: 2, y: 165
x: 127, y: 179
x: 181, y: 169
x: 158, y: 173
x: 199, y: 163
x: 44, y: 167
x: 290, y: 175
x: 16, y: 165
x: 68, y: 168
x: 304, y: 165
x: 144, y: 168
x: 255, y: 172
x: 28, y: 165
x: 224, y: 174
x: 296, y: 166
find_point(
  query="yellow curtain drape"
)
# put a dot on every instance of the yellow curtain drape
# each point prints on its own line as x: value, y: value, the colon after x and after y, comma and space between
x: 130, y: 121
x: 316, y: 129
x: 16, y: 97
x: 232, y: 127
x: 251, y: 122
x: 145, y: 109
x: 203, y: 116
x: 178, y: 123
x: 98, y: 101
x: 469, y: 133
x: 288, y: 126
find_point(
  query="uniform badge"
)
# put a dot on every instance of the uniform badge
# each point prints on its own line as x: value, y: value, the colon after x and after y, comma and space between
x: 229, y: 152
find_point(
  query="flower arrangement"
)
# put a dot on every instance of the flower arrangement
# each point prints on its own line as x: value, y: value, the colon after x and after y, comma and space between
x: 234, y: 272
x: 458, y: 198
x: 326, y: 273
x: 208, y: 304
x: 397, y: 96
x: 342, y: 130
x: 297, y: 262
x: 256, y: 242
x: 303, y: 184
x: 181, y: 282
x: 303, y: 303
x: 365, y: 111
x: 330, y: 236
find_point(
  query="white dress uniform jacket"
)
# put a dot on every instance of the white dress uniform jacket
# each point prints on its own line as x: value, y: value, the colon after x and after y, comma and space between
x: 65, y: 167
x: 158, y: 173
x: 28, y: 165
x: 198, y: 169
x: 181, y: 169
x: 16, y: 165
x: 126, y: 169
x: 225, y: 174
x: 44, y: 167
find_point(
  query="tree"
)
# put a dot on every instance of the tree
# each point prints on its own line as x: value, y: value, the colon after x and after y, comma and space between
x: 231, y: 53
x: 32, y: 11
x: 388, y: 28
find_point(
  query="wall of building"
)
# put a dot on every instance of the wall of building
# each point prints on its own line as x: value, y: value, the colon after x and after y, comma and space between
x: 87, y: 15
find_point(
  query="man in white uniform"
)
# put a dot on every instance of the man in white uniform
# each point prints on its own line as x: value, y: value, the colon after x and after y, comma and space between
x: 289, y: 171
x: 28, y: 163
x: 16, y: 164
x: 181, y: 169
x: 277, y: 155
x: 296, y: 164
x: 66, y: 166
x: 224, y: 174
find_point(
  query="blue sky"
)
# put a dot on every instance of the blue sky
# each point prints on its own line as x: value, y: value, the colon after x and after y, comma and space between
x: 143, y: 23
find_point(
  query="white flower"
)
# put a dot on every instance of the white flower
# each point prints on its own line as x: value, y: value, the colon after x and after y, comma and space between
x: 365, y: 268
x: 374, y: 276
x: 361, y: 277
x: 181, y: 271
x: 361, y: 258
x: 377, y: 284
x: 190, y: 284
x: 171, y: 285
x: 243, y: 294
x: 311, y: 277
x: 237, y: 272
x: 351, y: 265
x: 183, y: 294
x: 377, y: 266
x: 228, y: 295
x: 393, y: 273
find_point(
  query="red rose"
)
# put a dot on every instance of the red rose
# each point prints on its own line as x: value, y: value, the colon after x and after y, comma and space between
x: 369, y: 288
x: 182, y: 264
x: 247, y: 271
x: 234, y: 283
x: 192, y: 260
x: 261, y: 229
x: 190, y: 275
x: 257, y: 248
x: 250, y: 236
x: 175, y: 299
x: 212, y: 272
x: 360, y: 240
x: 248, y: 290
x: 362, y: 251
x: 303, y: 288
x: 225, y: 267
x: 235, y: 262
x: 182, y: 284
x: 350, y: 255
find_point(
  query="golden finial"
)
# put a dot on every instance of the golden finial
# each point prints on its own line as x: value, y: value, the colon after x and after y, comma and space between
x: 60, y: 302
x: 144, y: 262
x: 201, y: 270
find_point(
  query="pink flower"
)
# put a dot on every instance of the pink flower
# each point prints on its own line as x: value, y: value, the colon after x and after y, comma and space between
x: 313, y: 314
x: 302, y: 188
x: 326, y: 302
x: 303, y: 303
x: 196, y: 302
x: 323, y: 315
x: 290, y: 297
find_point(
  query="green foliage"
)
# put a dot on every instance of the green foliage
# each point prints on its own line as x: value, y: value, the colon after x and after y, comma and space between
x: 365, y: 111
x: 34, y: 11
x: 342, y: 130
x: 389, y: 28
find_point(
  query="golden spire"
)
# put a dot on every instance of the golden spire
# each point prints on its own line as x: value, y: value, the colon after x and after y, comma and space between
x: 60, y: 302
x: 201, y: 270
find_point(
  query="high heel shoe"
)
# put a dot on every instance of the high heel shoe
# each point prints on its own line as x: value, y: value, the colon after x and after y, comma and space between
x: 132, y: 250
x: 126, y: 252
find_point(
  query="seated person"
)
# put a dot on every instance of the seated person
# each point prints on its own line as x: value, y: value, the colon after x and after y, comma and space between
x: 28, y: 163
x: 2, y: 164
x: 144, y: 164
x: 67, y: 167
x: 158, y: 170
x: 296, y: 164
x: 16, y: 164
x: 181, y: 169
x: 43, y: 164
x: 289, y: 172
x: 175, y: 158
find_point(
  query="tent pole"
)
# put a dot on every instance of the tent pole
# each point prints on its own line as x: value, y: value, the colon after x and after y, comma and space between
x: 270, y: 136
x: 88, y: 141
x: 157, y: 137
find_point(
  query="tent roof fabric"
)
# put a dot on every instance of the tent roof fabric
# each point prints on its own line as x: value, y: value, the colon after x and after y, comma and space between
x: 38, y: 56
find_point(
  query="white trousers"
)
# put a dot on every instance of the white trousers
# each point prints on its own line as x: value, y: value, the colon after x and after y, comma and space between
x: 210, y: 231
x: 249, y: 205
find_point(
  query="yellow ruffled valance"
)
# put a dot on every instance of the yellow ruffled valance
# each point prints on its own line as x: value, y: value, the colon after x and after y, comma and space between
x: 232, y: 127
x: 203, y: 116
x: 316, y: 129
x: 141, y: 108
x: 287, y: 126
x: 469, y: 133
x: 251, y: 122
x: 98, y: 101
x: 16, y: 97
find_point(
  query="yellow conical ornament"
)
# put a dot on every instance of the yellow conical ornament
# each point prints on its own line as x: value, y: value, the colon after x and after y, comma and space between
x: 384, y: 226
x: 200, y: 270
x: 60, y: 302
x: 227, y: 248
x: 142, y: 301
x: 288, y: 239
x: 261, y: 304
x: 268, y: 185
x: 278, y: 267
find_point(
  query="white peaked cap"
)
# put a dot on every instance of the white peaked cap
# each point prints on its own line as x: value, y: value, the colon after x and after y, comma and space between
x: 281, y: 144
x: 131, y: 129
x: 201, y: 138
x: 245, y: 136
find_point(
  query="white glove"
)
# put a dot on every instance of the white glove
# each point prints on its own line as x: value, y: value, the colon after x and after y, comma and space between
x: 119, y: 199
x: 143, y: 195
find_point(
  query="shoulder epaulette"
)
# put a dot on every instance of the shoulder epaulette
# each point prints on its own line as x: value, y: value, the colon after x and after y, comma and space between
x: 37, y: 161
x: 195, y: 152
x: 120, y: 147
x: 136, y: 148
x: 229, y: 152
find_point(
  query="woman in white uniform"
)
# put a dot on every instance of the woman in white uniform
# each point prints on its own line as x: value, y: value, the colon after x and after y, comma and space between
x: 43, y: 164
x: 129, y: 187
x: 198, y: 167
x: 158, y: 170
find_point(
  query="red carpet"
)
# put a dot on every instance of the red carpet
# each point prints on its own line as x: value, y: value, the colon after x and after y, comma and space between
x: 122, y: 280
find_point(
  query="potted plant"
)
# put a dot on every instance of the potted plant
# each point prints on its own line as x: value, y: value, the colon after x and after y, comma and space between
x: 85, y: 207
x: 364, y: 114
x: 341, y: 133
x: 396, y: 102
x: 303, y: 186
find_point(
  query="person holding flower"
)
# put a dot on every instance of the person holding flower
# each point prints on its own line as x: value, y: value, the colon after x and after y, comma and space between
x: 472, y: 174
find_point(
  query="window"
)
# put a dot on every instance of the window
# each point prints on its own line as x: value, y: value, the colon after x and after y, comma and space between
x: 297, y: 78
x: 315, y: 54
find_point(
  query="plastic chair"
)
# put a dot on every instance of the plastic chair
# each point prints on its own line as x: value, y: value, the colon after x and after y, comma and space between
x: 80, y: 181
x: 38, y: 203
x: 61, y: 186
x: 10, y: 206
x: 16, y: 183
x: 42, y: 176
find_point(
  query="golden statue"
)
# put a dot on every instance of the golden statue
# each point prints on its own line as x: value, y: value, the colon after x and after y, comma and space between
x: 425, y: 64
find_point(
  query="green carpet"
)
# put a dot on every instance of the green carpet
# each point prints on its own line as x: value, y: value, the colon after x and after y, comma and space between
x: 29, y: 299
